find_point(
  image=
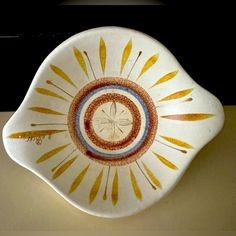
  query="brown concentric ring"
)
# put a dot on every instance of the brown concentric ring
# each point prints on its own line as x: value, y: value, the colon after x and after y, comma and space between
x: 112, y: 145
x: 152, y: 129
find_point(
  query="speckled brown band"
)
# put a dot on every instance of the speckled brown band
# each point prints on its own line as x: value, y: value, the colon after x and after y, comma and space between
x: 112, y: 145
x: 152, y: 129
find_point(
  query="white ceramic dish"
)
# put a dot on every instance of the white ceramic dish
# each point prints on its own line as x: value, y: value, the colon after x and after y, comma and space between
x: 111, y: 121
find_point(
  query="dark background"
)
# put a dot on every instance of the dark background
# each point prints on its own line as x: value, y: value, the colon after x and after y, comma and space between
x: 197, y: 36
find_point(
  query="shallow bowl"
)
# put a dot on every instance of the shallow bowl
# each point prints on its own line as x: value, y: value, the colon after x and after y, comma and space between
x: 111, y: 121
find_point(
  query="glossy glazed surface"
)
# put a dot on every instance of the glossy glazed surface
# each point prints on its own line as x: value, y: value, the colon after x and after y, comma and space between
x: 111, y: 121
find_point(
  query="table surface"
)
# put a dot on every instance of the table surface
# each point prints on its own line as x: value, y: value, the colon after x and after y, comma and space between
x: 204, y: 199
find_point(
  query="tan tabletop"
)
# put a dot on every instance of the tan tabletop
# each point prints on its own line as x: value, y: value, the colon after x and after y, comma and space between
x: 205, y: 198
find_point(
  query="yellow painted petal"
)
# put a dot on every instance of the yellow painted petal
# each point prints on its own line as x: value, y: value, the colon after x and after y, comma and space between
x: 102, y: 54
x: 78, y: 179
x: 80, y: 60
x: 189, y: 117
x: 125, y: 55
x: 165, y: 161
x: 165, y: 78
x: 177, y: 142
x: 51, y: 153
x: 151, y: 176
x: 64, y: 167
x: 114, y: 194
x: 135, y: 186
x: 34, y: 133
x: 49, y: 93
x: 45, y: 111
x: 149, y: 63
x: 95, y: 188
x: 177, y: 95
x: 62, y: 74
